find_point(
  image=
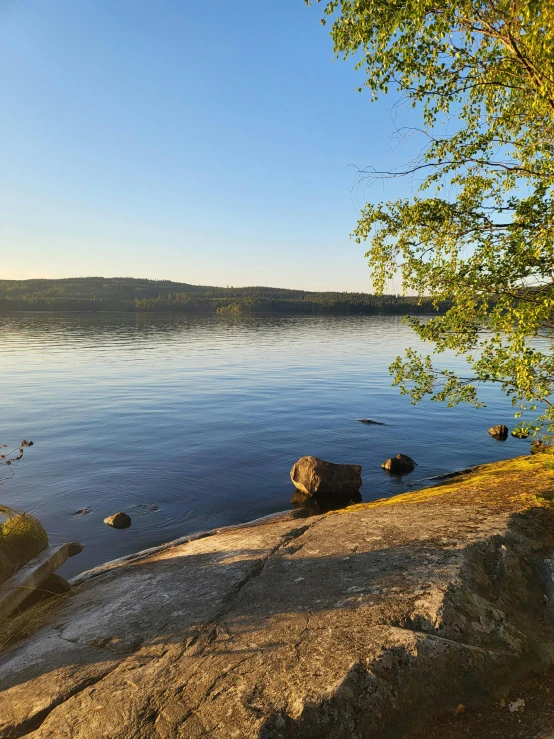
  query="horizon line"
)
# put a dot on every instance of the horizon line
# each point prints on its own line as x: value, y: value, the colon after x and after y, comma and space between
x: 220, y: 287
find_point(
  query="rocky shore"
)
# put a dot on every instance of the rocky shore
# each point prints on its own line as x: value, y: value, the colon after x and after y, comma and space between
x: 371, y: 621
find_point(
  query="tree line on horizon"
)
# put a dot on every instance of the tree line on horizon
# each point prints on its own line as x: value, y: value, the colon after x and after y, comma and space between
x: 136, y: 295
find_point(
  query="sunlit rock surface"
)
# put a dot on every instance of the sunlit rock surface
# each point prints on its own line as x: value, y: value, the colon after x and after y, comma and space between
x: 314, y: 476
x: 360, y: 623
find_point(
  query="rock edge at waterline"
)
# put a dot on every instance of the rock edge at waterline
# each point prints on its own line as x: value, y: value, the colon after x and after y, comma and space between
x: 359, y: 623
x: 315, y: 476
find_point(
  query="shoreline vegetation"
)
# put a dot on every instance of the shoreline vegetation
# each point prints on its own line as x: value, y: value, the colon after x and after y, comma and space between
x: 95, y: 294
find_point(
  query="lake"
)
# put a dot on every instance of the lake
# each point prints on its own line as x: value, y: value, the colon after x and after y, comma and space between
x: 190, y: 423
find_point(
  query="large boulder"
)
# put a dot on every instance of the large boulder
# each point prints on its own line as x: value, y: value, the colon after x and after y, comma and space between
x: 314, y: 476
x: 499, y: 431
x: 21, y: 537
x: 399, y: 465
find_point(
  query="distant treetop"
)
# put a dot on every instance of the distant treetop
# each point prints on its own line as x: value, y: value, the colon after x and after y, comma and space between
x: 130, y: 294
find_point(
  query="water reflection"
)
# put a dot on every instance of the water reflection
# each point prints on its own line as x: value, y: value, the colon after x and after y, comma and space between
x: 193, y: 422
x: 314, y: 505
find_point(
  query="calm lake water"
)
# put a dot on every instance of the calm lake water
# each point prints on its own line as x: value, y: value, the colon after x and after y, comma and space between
x: 203, y: 417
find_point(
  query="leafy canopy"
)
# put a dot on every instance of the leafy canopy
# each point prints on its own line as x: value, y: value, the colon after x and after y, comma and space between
x: 480, y: 230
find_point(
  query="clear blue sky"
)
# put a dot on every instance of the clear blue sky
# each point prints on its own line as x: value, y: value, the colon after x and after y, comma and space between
x: 206, y: 142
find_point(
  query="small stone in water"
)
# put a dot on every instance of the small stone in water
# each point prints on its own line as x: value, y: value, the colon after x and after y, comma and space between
x: 119, y: 520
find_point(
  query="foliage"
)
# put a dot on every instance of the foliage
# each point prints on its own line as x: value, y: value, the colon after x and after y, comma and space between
x: 127, y: 294
x: 480, y: 230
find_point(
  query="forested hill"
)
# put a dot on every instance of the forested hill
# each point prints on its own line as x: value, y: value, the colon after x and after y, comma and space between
x: 127, y: 294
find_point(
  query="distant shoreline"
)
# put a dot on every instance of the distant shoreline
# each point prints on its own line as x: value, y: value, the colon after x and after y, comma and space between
x: 99, y: 295
x: 51, y: 311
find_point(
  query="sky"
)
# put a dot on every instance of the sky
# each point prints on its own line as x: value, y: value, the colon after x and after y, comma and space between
x: 212, y: 143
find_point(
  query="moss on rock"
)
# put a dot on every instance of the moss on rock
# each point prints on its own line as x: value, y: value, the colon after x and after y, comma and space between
x: 21, y: 537
x: 511, y: 485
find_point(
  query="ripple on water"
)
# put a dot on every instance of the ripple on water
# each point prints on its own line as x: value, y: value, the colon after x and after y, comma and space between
x: 203, y: 418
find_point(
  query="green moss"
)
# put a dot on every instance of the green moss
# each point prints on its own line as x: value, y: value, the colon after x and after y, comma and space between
x: 21, y: 537
x: 513, y: 485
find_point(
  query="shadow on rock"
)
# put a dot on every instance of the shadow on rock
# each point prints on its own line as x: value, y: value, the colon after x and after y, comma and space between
x: 364, y: 623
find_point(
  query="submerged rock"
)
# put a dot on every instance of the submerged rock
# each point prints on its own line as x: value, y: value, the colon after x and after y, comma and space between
x: 142, y: 508
x: 119, y: 520
x: 499, y: 432
x: 399, y: 465
x: 314, y: 476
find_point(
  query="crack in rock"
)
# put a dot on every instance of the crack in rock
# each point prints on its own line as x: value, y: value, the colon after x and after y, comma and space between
x: 35, y: 722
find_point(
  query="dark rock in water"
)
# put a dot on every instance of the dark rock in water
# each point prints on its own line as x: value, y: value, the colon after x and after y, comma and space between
x: 373, y: 423
x: 315, y: 504
x: 119, y: 520
x: 82, y: 512
x: 399, y: 465
x: 499, y: 432
x: 520, y: 433
x: 142, y: 508
x: 314, y: 476
x: 539, y: 447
